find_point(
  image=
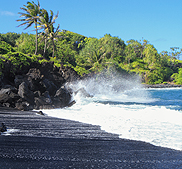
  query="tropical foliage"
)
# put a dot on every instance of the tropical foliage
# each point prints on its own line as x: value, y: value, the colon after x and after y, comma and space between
x: 31, y: 16
x: 46, y: 23
x: 99, y: 54
x: 87, y: 54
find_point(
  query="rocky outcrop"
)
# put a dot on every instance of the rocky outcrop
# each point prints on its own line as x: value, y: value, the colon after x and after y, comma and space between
x: 69, y: 74
x: 41, y: 86
x: 8, y: 96
x: 3, y: 128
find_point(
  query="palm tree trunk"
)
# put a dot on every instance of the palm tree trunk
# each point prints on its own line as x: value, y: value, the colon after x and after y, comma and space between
x: 36, y: 41
x: 45, y: 46
x: 53, y: 48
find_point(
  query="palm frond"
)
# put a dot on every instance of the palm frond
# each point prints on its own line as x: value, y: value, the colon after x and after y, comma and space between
x: 22, y: 14
x: 22, y: 24
x: 30, y: 16
x: 29, y: 19
x: 55, y: 17
x: 57, y: 29
x: 52, y: 14
x: 20, y: 20
x: 24, y: 9
x: 29, y: 24
x: 30, y: 5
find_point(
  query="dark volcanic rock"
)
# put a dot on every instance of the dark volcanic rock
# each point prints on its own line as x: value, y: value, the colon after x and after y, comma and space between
x: 40, y: 103
x: 52, y: 74
x: 40, y: 113
x: 62, y: 97
x: 25, y: 93
x: 50, y: 86
x: 37, y: 86
x: 3, y: 128
x: 8, y: 96
x: 23, y: 105
x: 43, y: 101
x: 69, y: 74
x: 35, y: 80
x: 83, y: 93
x: 19, y: 79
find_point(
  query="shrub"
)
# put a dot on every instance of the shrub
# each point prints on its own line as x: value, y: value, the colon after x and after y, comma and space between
x: 177, y: 77
x: 5, y: 47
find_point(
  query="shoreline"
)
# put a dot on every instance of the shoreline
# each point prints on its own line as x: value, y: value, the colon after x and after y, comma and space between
x: 161, y: 85
x: 46, y: 142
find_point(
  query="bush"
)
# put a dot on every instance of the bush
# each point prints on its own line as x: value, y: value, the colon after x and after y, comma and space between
x: 5, y: 47
x: 9, y: 38
x: 154, y: 77
x: 26, y: 43
x: 177, y: 77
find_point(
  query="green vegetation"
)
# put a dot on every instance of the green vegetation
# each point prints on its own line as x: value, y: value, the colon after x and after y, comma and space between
x: 178, y: 76
x: 86, y: 54
x: 31, y: 16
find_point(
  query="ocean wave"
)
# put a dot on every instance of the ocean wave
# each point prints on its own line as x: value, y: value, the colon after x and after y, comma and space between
x: 136, y: 122
x: 124, y: 107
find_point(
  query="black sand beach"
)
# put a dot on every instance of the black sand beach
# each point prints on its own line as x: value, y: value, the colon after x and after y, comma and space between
x: 35, y: 141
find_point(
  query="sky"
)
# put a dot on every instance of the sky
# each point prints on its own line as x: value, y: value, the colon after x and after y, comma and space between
x: 158, y: 21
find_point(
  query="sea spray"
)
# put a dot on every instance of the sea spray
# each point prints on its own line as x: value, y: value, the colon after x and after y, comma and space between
x: 113, y: 86
x: 120, y: 105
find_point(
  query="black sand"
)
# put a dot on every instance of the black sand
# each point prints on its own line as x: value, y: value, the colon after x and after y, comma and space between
x: 45, y: 142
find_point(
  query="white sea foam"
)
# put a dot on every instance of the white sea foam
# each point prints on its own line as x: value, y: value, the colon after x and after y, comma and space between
x: 121, y: 106
x: 9, y: 132
x: 153, y: 124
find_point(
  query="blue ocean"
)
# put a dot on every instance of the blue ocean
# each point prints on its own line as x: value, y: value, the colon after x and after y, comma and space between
x: 125, y: 107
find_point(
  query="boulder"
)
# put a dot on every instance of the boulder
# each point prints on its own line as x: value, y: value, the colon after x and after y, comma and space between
x: 40, y: 113
x: 3, y: 128
x: 6, y: 105
x: 50, y: 86
x: 8, y: 89
x: 35, y: 86
x: 62, y: 97
x: 25, y: 93
x: 48, y: 97
x: 20, y: 79
x: 83, y: 93
x: 8, y: 96
x: 43, y: 101
x: 52, y: 73
x: 37, y: 94
x: 35, y: 74
x: 23, y: 105
x: 71, y: 103
x: 69, y: 74
x: 4, y: 95
x: 35, y: 78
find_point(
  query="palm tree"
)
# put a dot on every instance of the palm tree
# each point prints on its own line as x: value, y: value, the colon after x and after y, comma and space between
x: 46, y: 23
x: 53, y: 35
x: 31, y: 16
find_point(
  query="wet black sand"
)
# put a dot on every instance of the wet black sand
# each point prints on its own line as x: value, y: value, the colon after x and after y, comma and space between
x: 43, y: 142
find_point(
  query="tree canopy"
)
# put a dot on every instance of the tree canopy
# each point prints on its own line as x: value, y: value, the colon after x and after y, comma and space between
x: 88, y: 54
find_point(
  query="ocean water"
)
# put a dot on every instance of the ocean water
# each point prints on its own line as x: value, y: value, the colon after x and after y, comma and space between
x: 122, y: 106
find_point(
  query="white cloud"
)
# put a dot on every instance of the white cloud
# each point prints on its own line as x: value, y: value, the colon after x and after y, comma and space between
x: 7, y: 13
